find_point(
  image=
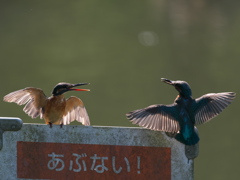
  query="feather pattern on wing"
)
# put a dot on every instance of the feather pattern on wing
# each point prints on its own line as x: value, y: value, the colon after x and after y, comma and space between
x: 210, y: 105
x: 34, y: 98
x: 156, y: 117
x: 75, y: 110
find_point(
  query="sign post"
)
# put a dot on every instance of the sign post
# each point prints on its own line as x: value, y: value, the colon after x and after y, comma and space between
x: 37, y: 151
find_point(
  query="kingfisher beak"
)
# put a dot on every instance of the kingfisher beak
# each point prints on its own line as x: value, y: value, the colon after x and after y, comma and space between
x: 167, y: 81
x: 79, y: 84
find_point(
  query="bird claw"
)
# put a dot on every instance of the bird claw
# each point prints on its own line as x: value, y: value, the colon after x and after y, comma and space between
x: 170, y: 134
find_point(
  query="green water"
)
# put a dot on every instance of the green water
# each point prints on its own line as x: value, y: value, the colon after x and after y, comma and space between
x: 123, y: 48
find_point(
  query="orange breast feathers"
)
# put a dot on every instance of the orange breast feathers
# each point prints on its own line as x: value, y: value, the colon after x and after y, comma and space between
x: 54, y: 110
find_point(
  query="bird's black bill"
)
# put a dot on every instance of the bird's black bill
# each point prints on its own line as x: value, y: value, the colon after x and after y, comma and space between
x: 79, y: 84
x: 167, y: 81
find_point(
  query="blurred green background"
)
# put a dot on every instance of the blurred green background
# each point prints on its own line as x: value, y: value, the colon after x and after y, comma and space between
x: 123, y: 48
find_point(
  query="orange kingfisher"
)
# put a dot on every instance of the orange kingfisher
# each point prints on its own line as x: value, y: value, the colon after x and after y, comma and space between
x: 54, y: 109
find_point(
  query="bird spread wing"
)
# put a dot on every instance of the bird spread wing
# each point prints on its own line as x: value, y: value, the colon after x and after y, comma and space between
x: 34, y: 98
x: 156, y: 117
x: 75, y: 110
x: 210, y: 105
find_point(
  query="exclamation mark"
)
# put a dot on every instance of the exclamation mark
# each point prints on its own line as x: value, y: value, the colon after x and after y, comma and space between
x: 138, y: 164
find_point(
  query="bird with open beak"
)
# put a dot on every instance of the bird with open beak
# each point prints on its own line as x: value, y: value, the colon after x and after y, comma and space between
x: 54, y: 109
x: 182, y: 116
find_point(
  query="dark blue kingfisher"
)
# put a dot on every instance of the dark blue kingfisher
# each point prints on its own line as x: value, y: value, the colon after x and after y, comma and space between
x: 182, y: 116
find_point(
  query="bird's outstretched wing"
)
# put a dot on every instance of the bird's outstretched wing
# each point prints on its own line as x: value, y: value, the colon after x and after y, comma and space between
x: 75, y: 110
x: 210, y: 105
x: 156, y: 117
x: 34, y: 98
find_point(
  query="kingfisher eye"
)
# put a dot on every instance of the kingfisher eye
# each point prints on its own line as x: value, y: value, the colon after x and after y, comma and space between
x: 178, y: 87
x: 63, y: 87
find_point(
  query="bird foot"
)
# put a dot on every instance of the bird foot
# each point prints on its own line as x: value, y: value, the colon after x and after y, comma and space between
x: 61, y: 125
x: 170, y: 134
x: 50, y: 124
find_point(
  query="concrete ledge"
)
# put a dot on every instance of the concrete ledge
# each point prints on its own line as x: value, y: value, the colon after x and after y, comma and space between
x: 9, y: 124
x: 181, y: 168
